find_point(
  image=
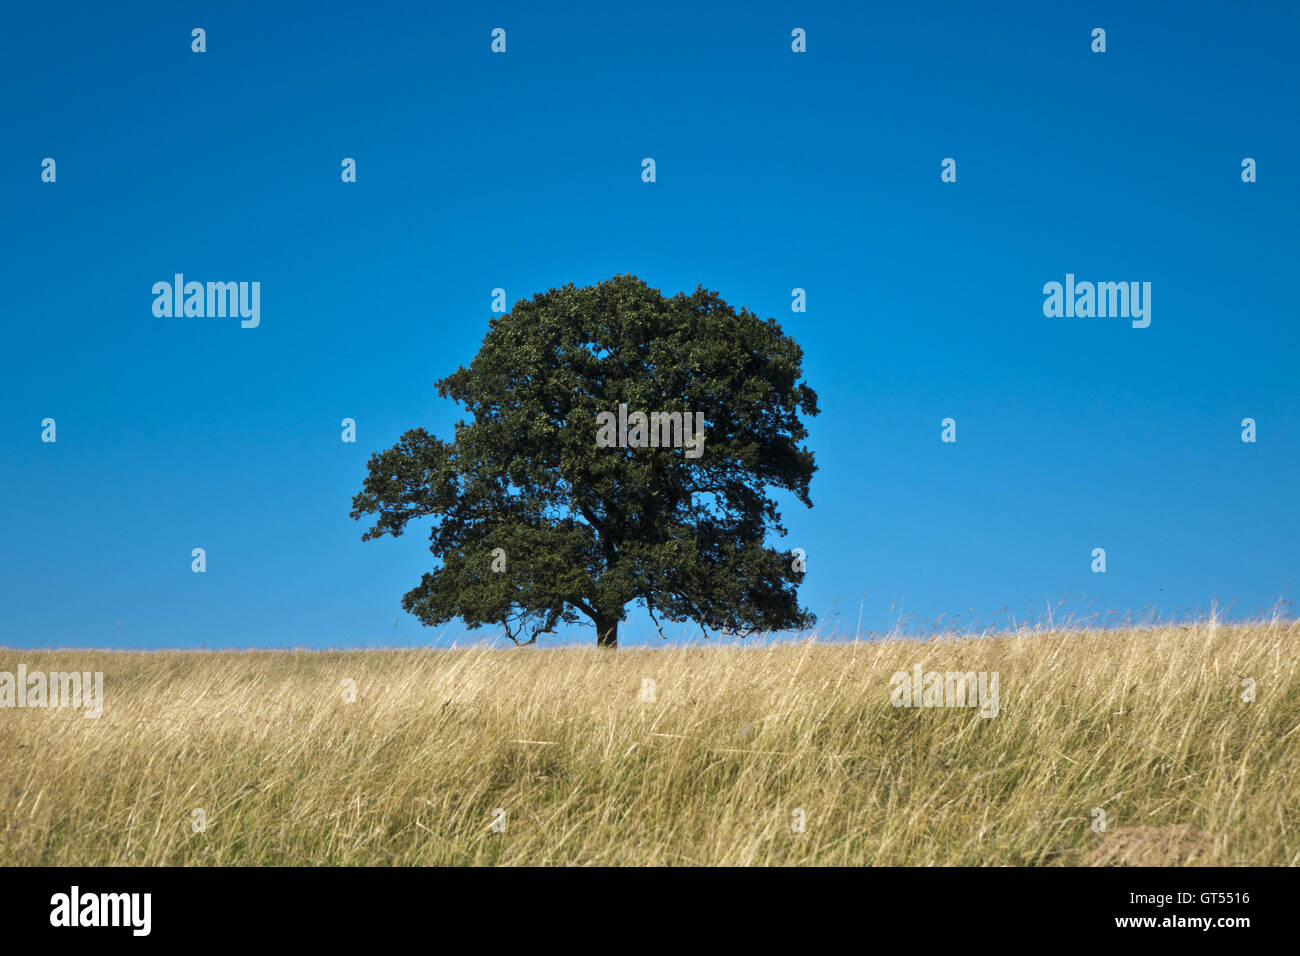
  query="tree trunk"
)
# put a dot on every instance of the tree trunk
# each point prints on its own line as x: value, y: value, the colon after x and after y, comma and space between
x: 607, y: 631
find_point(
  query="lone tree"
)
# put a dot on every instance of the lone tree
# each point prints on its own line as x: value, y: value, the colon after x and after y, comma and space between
x: 538, y: 520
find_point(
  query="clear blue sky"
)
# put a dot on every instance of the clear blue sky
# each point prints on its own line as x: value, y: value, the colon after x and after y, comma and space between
x: 775, y: 170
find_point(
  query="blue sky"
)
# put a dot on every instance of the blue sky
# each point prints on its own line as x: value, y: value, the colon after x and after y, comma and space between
x: 775, y: 170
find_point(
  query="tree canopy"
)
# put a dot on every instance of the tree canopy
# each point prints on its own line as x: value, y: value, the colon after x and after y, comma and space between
x: 536, y: 524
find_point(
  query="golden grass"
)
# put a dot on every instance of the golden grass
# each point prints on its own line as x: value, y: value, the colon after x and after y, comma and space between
x: 1147, y: 724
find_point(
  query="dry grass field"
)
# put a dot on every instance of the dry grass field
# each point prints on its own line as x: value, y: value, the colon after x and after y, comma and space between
x: 740, y: 749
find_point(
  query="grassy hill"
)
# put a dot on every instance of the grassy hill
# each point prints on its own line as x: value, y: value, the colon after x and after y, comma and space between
x: 740, y: 746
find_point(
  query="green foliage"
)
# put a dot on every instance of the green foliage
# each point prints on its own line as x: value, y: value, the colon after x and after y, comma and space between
x: 588, y: 530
